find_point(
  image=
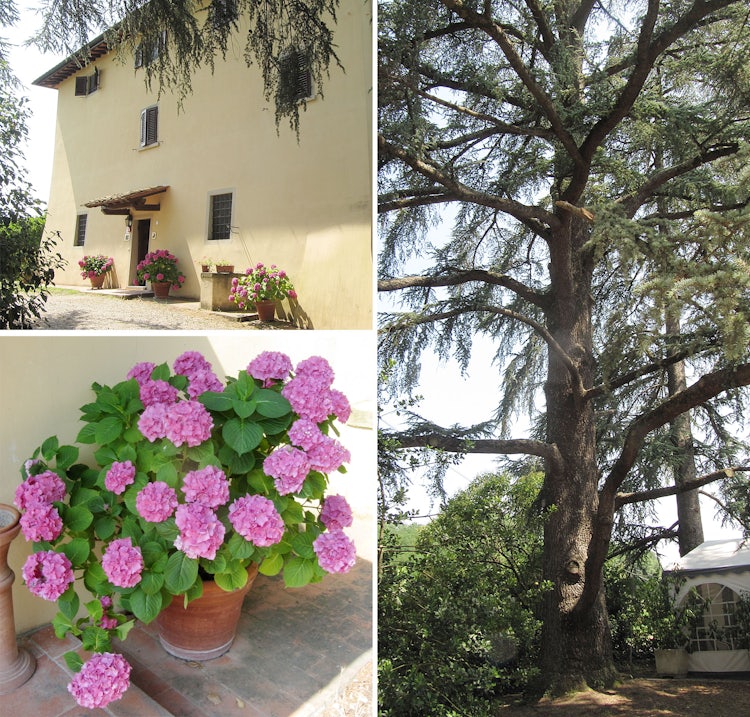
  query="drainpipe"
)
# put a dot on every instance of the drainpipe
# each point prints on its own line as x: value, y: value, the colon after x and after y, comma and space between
x: 16, y: 665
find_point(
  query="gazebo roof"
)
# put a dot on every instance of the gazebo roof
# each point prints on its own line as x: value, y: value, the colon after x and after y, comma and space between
x: 715, y: 556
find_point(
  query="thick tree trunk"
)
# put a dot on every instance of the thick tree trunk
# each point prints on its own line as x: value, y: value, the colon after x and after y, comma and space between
x: 576, y: 642
x: 690, y: 530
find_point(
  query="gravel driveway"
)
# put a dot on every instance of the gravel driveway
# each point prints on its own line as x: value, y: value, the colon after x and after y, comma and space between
x: 86, y: 310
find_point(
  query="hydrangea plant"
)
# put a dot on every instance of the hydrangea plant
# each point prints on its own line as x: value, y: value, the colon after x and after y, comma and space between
x: 161, y: 265
x: 191, y: 479
x: 95, y: 265
x: 261, y: 283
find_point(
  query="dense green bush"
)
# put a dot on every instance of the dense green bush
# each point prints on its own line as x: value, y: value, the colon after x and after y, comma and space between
x: 458, y: 618
x: 28, y: 261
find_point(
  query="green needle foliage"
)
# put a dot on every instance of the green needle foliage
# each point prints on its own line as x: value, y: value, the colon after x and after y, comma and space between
x: 190, y: 34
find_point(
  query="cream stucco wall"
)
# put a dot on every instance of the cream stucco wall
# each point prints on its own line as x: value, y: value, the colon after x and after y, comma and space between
x: 45, y: 379
x: 304, y: 205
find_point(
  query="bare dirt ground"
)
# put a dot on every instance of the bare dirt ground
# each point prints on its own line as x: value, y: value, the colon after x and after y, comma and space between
x: 648, y: 697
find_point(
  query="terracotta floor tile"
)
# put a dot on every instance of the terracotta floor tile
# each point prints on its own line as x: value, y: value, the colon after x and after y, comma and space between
x: 292, y: 650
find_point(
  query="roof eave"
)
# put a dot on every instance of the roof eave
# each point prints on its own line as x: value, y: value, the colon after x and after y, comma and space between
x: 72, y: 64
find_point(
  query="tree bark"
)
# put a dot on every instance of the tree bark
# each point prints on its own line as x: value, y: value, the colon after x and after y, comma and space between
x: 576, y: 641
x: 690, y: 525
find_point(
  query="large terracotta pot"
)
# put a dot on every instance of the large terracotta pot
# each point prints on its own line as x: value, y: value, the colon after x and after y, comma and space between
x: 225, y: 268
x: 97, y: 281
x: 206, y: 628
x: 161, y: 289
x: 266, y: 310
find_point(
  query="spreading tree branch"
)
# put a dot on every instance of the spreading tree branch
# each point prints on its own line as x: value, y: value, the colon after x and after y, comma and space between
x: 500, y: 36
x: 655, y: 493
x: 634, y: 201
x: 535, y: 218
x: 409, y: 320
x: 452, y: 444
x: 463, y: 277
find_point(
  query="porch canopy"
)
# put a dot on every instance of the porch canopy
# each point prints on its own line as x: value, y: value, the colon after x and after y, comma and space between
x: 129, y: 202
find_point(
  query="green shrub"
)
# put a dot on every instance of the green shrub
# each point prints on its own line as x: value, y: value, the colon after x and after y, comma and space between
x: 458, y: 619
x: 28, y: 261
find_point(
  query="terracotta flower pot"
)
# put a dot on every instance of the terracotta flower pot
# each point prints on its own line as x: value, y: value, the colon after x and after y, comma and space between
x: 225, y: 268
x: 206, y: 628
x: 266, y: 310
x: 97, y: 281
x: 161, y: 289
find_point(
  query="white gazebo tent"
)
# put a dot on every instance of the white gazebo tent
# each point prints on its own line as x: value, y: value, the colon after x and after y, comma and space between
x: 719, y: 570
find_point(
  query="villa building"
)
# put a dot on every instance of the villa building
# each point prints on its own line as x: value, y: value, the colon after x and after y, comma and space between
x: 216, y: 178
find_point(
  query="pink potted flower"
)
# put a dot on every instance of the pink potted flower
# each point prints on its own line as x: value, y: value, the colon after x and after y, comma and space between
x: 199, y: 483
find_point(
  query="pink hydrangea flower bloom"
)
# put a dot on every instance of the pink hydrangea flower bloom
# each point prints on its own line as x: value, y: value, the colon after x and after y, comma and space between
x: 122, y: 563
x: 208, y: 486
x: 305, y: 434
x: 104, y: 678
x: 316, y: 370
x: 152, y: 423
x: 119, y: 476
x: 201, y: 532
x: 202, y: 381
x: 41, y: 522
x: 340, y: 406
x: 289, y: 467
x: 336, y: 513
x: 47, y: 574
x: 328, y: 455
x: 40, y: 489
x: 158, y: 392
x: 335, y: 551
x: 141, y: 372
x: 156, y: 502
x: 188, y: 422
x: 269, y: 366
x: 190, y: 362
x: 256, y: 519
x: 309, y: 398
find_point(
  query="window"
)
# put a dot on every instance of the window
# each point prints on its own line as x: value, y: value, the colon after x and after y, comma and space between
x: 295, y: 76
x: 86, y: 84
x: 149, y: 51
x: 150, y: 126
x: 80, y: 238
x: 220, y: 216
x: 717, y: 628
x: 223, y: 12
